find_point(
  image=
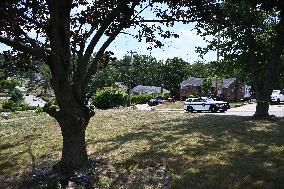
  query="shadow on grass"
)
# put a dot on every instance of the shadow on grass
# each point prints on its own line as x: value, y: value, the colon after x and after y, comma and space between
x: 208, y: 151
x: 9, y: 161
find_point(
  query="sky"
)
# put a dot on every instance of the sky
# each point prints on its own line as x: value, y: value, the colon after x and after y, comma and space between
x: 183, y: 47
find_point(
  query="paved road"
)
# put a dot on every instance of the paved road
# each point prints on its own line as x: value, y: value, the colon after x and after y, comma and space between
x: 245, y: 110
x: 249, y: 110
x: 34, y: 101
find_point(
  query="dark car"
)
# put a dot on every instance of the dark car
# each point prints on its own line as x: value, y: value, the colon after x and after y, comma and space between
x: 155, y: 102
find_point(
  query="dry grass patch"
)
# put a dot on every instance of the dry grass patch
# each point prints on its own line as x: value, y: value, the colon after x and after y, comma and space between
x: 168, y: 105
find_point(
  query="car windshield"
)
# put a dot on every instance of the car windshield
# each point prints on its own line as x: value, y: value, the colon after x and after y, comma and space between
x: 275, y: 92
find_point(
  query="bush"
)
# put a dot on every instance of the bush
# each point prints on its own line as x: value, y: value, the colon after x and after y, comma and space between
x: 109, y: 97
x: 9, y: 84
x: 144, y: 98
x: 10, y: 105
x: 16, y: 95
x: 193, y: 94
x: 39, y: 110
x: 25, y: 106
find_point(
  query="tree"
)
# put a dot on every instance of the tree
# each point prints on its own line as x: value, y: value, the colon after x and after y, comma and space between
x: 175, y: 70
x: 207, y: 86
x: 249, y: 35
x: 67, y: 32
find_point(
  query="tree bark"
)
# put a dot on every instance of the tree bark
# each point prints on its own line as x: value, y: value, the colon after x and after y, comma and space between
x: 74, y: 153
x: 73, y: 122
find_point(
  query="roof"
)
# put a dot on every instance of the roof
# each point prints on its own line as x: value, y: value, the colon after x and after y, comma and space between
x: 197, y: 81
x: 227, y: 82
x: 193, y: 81
x: 140, y: 89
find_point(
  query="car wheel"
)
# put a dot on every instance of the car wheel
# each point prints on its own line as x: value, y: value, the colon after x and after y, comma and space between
x: 278, y: 101
x: 213, y: 109
x: 189, y: 109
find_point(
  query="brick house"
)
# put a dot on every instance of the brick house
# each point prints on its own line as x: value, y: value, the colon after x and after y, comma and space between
x: 231, y: 89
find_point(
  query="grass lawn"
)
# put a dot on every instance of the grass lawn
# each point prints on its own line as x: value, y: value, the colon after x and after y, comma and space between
x: 199, y: 151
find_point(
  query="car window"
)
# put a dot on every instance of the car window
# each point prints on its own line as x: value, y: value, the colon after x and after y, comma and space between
x: 199, y: 100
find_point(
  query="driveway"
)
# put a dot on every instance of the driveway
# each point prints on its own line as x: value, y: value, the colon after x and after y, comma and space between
x: 34, y: 101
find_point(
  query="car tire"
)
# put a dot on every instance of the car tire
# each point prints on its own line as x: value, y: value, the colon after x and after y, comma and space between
x: 189, y: 109
x: 278, y: 101
x: 213, y: 109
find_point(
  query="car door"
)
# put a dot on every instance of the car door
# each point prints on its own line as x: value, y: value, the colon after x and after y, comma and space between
x: 199, y: 104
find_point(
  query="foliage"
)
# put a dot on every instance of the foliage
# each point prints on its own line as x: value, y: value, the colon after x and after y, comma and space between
x: 9, y: 84
x: 16, y: 95
x: 16, y: 106
x: 175, y: 71
x: 144, y: 98
x: 193, y: 94
x: 10, y: 105
x: 39, y: 110
x: 109, y: 97
x: 207, y: 86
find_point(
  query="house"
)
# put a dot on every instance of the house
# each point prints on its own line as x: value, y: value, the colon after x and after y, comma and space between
x: 231, y: 89
x: 140, y: 89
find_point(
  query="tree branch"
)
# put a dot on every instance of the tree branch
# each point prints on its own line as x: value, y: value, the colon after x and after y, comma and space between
x: 37, y: 52
x: 86, y: 57
x: 94, y: 64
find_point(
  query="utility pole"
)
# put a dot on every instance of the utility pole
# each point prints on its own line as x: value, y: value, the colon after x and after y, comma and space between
x: 218, y: 59
x: 131, y: 74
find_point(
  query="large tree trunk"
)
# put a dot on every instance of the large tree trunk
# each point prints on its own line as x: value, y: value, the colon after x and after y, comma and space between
x: 262, y: 106
x: 74, y: 153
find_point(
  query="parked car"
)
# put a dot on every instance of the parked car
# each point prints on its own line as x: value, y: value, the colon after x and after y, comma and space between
x: 155, y: 101
x: 277, y: 96
x: 205, y: 104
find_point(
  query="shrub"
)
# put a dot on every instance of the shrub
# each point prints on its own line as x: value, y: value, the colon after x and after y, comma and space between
x: 109, y: 97
x: 9, y: 84
x: 10, y: 105
x: 25, y: 106
x: 193, y: 94
x: 16, y: 95
x: 39, y: 110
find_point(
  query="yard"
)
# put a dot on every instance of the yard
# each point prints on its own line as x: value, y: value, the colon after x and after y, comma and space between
x: 198, y: 151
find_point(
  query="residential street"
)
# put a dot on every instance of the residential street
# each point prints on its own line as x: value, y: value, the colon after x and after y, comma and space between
x: 245, y: 110
x: 249, y: 110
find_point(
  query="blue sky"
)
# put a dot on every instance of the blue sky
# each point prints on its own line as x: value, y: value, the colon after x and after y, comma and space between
x: 183, y: 47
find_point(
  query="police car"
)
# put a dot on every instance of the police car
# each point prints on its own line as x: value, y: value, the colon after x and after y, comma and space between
x: 205, y: 104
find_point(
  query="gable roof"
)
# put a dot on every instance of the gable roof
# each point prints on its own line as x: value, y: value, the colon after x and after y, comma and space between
x: 193, y: 81
x: 140, y: 89
x: 227, y: 82
x: 197, y: 81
